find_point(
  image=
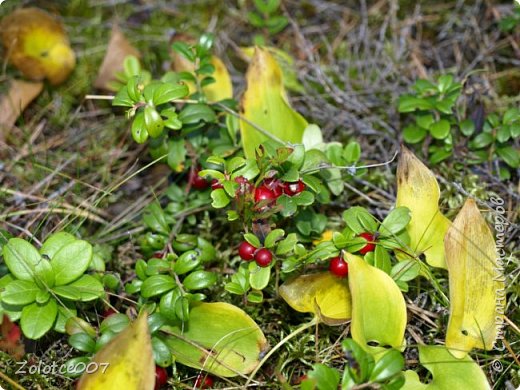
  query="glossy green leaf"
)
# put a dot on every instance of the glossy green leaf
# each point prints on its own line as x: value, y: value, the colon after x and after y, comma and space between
x: 21, y: 258
x: 38, y: 319
x: 20, y: 292
x: 71, y: 261
x: 199, y: 279
x: 157, y: 285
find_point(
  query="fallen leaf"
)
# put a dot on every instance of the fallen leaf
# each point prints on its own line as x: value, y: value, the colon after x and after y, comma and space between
x: 126, y: 362
x: 418, y: 190
x: 265, y: 104
x: 10, y: 339
x: 323, y: 294
x: 37, y: 44
x: 378, y: 307
x: 447, y: 371
x: 118, y: 48
x: 477, y: 290
x: 12, y: 104
x: 219, y: 338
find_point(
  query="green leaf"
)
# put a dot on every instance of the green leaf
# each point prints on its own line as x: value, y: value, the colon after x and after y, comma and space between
x: 38, y: 319
x: 122, y: 98
x: 199, y: 279
x: 82, y: 342
x: 405, y: 270
x: 382, y: 259
x: 131, y: 66
x: 352, y: 152
x: 21, y: 258
x: 220, y: 198
x: 115, y: 323
x: 365, y: 361
x: 481, y: 141
x: 424, y: 121
x: 176, y: 154
x: 157, y: 285
x: 510, y: 155
x: 139, y: 131
x: 87, y: 288
x: 326, y: 378
x: 259, y: 276
x: 161, y: 352
x: 467, y: 127
x: 359, y: 220
x: 389, y: 365
x: 273, y: 237
x: 221, y: 339
x: 395, y: 221
x: 20, y: 292
x: 445, y: 82
x: 287, y: 245
x: 252, y: 239
x: 172, y: 120
x: 168, y: 92
x: 71, y: 261
x: 186, y: 262
x: 413, y: 134
x: 440, y: 129
x: 153, y: 122
x: 194, y: 113
x: 65, y: 312
x: 184, y: 50
x: 155, y: 218
x: 312, y: 137
x: 55, y: 242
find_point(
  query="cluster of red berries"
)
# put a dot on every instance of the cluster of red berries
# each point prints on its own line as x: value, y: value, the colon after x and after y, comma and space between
x: 339, y: 267
x: 263, y: 256
x: 271, y: 189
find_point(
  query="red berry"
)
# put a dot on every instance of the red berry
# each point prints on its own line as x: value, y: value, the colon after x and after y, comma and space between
x: 161, y: 377
x: 264, y: 193
x: 275, y: 185
x: 204, y: 382
x: 263, y: 257
x: 196, y: 181
x: 108, y: 312
x: 246, y: 251
x: 215, y: 185
x: 370, y: 247
x: 158, y: 255
x: 338, y: 267
x: 295, y: 188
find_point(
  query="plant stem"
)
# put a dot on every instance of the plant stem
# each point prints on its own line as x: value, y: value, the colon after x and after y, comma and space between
x: 296, y: 332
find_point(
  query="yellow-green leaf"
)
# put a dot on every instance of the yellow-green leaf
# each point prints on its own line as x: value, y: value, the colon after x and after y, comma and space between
x: 448, y: 372
x: 265, y: 104
x: 126, y: 362
x: 219, y: 338
x: 378, y: 307
x: 418, y: 190
x: 477, y: 291
x: 323, y: 294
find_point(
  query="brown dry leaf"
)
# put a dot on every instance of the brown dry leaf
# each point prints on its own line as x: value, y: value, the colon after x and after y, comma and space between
x: 12, y: 104
x: 10, y: 339
x: 118, y: 48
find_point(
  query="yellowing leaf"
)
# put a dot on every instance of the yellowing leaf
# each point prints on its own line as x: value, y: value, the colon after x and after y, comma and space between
x: 265, y: 105
x: 219, y: 338
x: 477, y: 291
x: 221, y: 89
x: 12, y: 104
x: 378, y: 307
x: 323, y: 294
x: 448, y: 372
x: 36, y: 43
x: 126, y: 362
x: 326, y: 236
x: 418, y: 190
x: 118, y: 48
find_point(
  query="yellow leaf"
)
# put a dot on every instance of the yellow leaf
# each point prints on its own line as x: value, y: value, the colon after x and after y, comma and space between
x: 323, y: 294
x: 126, y: 362
x: 12, y: 104
x: 221, y: 89
x: 326, y: 236
x: 219, y: 338
x: 418, y: 190
x: 265, y: 105
x: 477, y: 293
x: 118, y: 48
x: 378, y: 307
x: 448, y: 372
x: 36, y: 43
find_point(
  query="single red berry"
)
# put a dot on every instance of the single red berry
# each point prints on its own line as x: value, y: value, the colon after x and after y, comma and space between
x: 264, y: 193
x: 263, y: 257
x: 338, y: 267
x: 196, y: 181
x: 370, y: 247
x: 158, y: 255
x: 215, y: 185
x: 14, y: 334
x: 295, y: 188
x: 246, y: 251
x: 276, y: 186
x: 108, y: 312
x: 161, y: 377
x: 204, y: 382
